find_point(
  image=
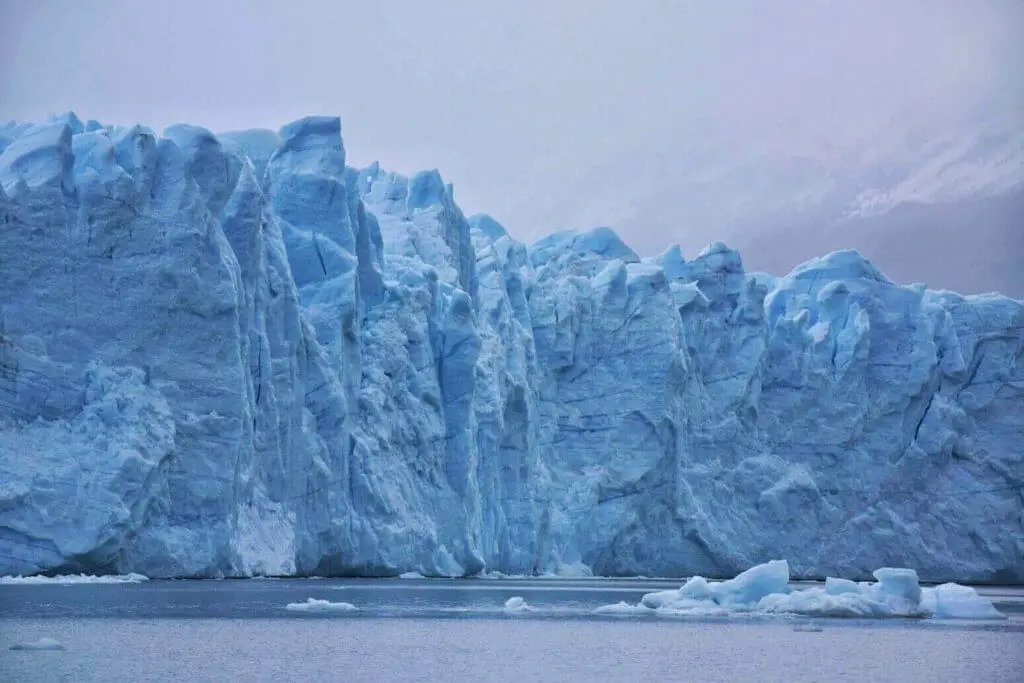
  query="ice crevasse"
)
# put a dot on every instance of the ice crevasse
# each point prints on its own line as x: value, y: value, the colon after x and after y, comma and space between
x: 235, y: 355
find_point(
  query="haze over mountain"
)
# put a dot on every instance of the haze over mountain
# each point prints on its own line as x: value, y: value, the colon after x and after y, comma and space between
x: 947, y: 211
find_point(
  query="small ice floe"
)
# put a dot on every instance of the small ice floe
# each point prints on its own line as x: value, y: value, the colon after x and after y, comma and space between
x: 516, y: 605
x: 41, y: 644
x: 411, y: 575
x: 321, y: 606
x: 623, y: 609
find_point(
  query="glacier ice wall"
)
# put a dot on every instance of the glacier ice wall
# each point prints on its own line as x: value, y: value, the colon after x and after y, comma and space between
x: 235, y: 355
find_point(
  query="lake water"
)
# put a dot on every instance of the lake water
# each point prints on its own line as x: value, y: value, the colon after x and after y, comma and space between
x: 440, y: 630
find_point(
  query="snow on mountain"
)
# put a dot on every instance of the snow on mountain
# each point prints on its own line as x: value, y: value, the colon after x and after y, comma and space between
x: 235, y: 355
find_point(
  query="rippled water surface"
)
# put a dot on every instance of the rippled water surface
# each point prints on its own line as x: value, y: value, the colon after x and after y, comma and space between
x: 438, y: 630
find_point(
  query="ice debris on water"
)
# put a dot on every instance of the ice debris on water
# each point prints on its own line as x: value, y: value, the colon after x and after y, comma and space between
x: 71, y: 579
x: 765, y: 589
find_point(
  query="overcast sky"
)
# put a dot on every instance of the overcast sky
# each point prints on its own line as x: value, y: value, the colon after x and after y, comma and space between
x: 515, y: 102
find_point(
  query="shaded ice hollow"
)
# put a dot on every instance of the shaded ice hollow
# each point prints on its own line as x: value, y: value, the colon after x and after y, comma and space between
x: 236, y: 355
x: 765, y: 589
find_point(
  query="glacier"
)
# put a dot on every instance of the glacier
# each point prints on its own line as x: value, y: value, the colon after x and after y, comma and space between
x: 236, y: 355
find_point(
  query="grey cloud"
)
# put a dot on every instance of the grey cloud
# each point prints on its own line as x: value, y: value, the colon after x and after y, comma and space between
x: 522, y: 104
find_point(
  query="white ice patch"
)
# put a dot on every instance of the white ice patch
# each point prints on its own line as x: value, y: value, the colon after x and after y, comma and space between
x: 411, y: 575
x: 71, y: 579
x: 516, y: 605
x: 745, y: 589
x: 765, y: 589
x: 265, y: 540
x: 623, y: 609
x: 818, y: 332
x: 320, y: 606
x: 575, y: 570
x: 41, y: 644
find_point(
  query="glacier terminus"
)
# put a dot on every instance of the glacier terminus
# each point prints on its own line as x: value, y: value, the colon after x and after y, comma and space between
x: 235, y: 355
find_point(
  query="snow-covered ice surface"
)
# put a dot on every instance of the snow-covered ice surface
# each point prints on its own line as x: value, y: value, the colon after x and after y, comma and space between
x: 237, y: 356
x: 765, y: 589
x: 71, y: 579
x: 316, y: 606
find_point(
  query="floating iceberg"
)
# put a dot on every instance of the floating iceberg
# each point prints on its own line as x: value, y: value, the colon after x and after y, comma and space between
x: 320, y: 606
x: 953, y: 601
x: 765, y: 589
x: 238, y: 356
x: 516, y: 605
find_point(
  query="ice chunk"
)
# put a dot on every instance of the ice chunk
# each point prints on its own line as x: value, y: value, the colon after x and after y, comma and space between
x: 899, y: 584
x: 751, y: 585
x: 669, y: 597
x: 624, y: 609
x: 897, y: 587
x: 815, y: 602
x: 314, y: 605
x: 953, y: 601
x: 41, y: 644
x: 743, y: 590
x: 488, y: 226
x: 214, y: 170
x: 846, y: 264
x: 834, y: 586
x: 516, y: 605
x: 40, y: 157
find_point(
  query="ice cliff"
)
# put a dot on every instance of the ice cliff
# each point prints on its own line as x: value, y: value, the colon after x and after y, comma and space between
x: 236, y: 355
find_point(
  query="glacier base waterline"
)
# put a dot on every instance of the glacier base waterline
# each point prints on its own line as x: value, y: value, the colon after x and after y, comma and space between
x: 234, y: 355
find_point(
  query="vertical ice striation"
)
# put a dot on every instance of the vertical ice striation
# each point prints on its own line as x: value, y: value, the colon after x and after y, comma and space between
x: 235, y: 355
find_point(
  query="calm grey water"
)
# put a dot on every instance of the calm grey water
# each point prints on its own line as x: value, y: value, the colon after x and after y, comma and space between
x: 427, y: 630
